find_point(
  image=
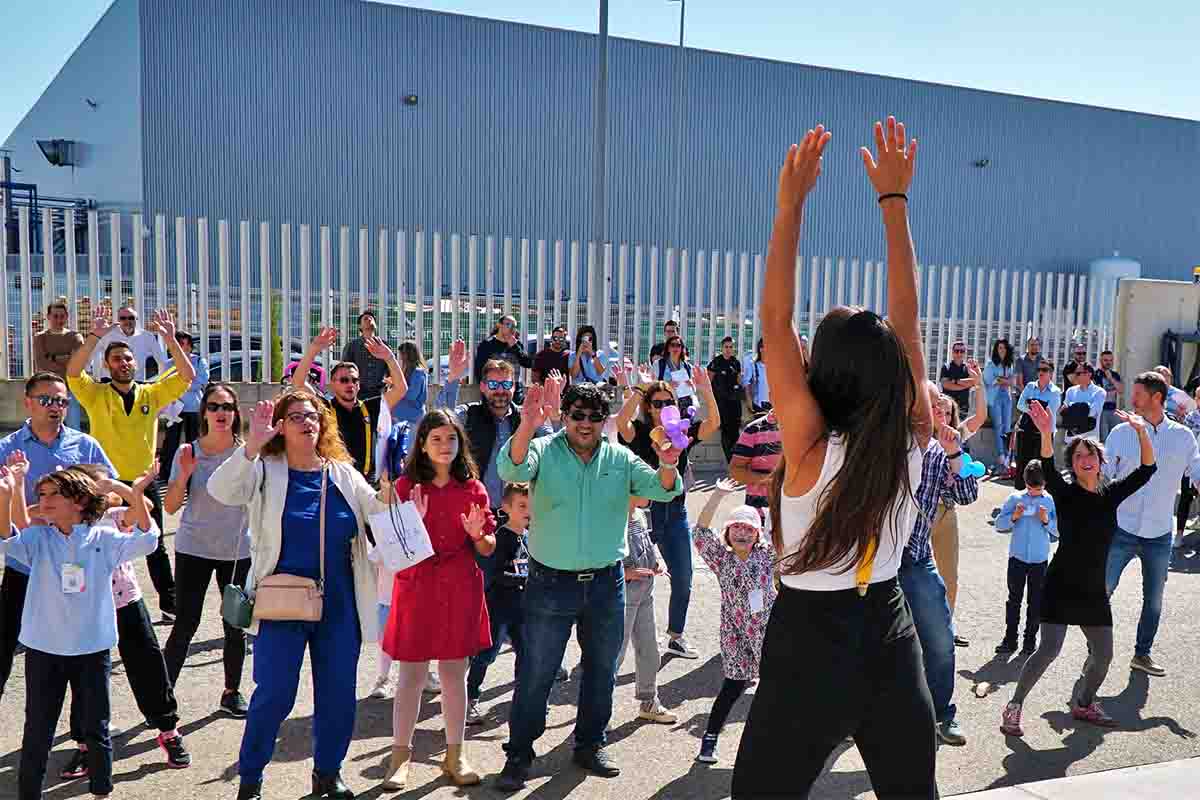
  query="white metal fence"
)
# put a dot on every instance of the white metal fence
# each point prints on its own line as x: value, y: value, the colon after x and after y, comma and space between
x: 237, y: 285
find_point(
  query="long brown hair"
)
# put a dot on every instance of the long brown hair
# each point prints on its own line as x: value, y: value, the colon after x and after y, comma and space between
x: 237, y: 412
x: 420, y: 468
x: 329, y: 440
x: 861, y: 379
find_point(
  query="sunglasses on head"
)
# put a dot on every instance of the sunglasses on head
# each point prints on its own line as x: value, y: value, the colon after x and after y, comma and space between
x: 215, y: 407
x: 580, y: 416
x: 354, y: 381
x: 662, y: 403
x: 1043, y: 369
x: 46, y: 401
x: 301, y: 417
x: 495, y: 385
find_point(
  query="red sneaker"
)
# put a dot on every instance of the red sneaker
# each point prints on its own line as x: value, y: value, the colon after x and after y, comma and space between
x: 1094, y: 714
x: 1010, y: 720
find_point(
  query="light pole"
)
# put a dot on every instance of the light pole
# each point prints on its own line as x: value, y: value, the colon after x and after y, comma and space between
x: 677, y: 232
x: 597, y: 300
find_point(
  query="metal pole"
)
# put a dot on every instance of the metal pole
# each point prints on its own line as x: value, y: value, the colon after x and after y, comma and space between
x: 596, y: 303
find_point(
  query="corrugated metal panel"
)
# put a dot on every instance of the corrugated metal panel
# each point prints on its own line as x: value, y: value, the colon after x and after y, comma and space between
x: 288, y: 111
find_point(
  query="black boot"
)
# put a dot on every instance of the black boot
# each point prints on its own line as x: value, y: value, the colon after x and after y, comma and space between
x: 1030, y: 645
x: 249, y: 791
x: 330, y: 786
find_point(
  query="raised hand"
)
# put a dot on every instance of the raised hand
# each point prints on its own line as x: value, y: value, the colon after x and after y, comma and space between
x: 261, y: 429
x: 7, y: 486
x: 801, y: 168
x: 473, y: 522
x: 101, y: 326
x: 552, y: 394
x: 1136, y: 422
x: 533, y: 409
x: 974, y: 372
x: 378, y: 348
x: 1044, y: 515
x: 621, y: 373
x: 726, y: 486
x: 187, y: 461
x: 161, y: 322
x: 18, y: 466
x: 893, y: 171
x: 1041, y: 418
x: 458, y: 360
x: 144, y: 481
x: 701, y: 379
x: 324, y: 340
x: 109, y: 486
x: 644, y: 374
x: 419, y: 500
x: 948, y: 439
x: 671, y: 454
x: 1018, y: 512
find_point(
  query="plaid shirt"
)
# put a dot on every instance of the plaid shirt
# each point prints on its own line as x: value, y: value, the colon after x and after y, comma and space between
x: 937, y: 482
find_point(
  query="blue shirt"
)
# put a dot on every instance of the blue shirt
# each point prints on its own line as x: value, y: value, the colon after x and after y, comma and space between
x: 412, y: 405
x: 1150, y: 511
x: 299, y: 554
x: 587, y: 371
x: 1051, y: 397
x: 1030, y: 538
x: 995, y: 391
x: 191, y: 398
x: 939, y: 481
x: 70, y: 448
x: 73, y: 624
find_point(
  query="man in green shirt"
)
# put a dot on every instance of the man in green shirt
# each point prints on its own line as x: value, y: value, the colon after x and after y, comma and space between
x: 581, y: 489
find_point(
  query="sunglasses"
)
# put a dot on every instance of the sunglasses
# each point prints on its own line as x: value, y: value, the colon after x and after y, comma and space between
x: 959, y: 350
x: 301, y: 417
x: 46, y: 401
x: 1043, y: 369
x: 580, y: 416
x: 558, y: 338
x: 494, y: 385
x: 662, y: 403
x: 215, y: 407
x: 127, y: 319
x: 354, y: 381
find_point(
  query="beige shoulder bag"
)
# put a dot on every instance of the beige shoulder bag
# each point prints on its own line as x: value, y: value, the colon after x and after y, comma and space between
x: 294, y: 598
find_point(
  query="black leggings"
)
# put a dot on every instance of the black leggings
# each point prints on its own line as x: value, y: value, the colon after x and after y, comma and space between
x: 731, y: 690
x: 835, y: 665
x: 1186, y: 495
x: 158, y: 563
x: 193, y: 575
x: 12, y: 606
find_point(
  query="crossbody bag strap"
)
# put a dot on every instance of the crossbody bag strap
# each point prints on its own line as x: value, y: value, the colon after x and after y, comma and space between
x: 366, y: 415
x: 866, y: 565
x: 324, y: 482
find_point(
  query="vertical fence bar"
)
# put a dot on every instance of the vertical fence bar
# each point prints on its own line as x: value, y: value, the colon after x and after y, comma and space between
x: 436, y: 292
x: 1093, y: 322
x: 507, y: 266
x: 929, y: 274
x: 114, y: 240
x: 202, y: 242
x: 743, y: 293
x: 634, y: 350
x: 1025, y: 316
x: 49, y: 284
x: 813, y: 317
x: 325, y: 295
x: 5, y: 341
x: 181, y: 279
x: 472, y: 291
x: 1014, y: 335
x: 1035, y: 315
x: 26, y: 327
x: 1064, y: 347
x: 364, y: 279
x: 558, y: 297
x: 489, y: 312
x: 138, y: 251
x: 951, y: 331
x: 268, y: 325
x: 685, y: 286
x: 541, y: 294
x: 419, y: 294
x: 1077, y: 300
x: 714, y: 277
x: 977, y: 334
x: 244, y: 301
x: 1001, y: 296
x: 223, y: 288
x: 381, y: 246
x: 730, y: 305
x: 160, y: 261
x: 306, y: 272
x: 852, y: 298
x: 524, y: 291
x: 604, y: 302
x: 572, y: 292
x: 943, y: 289
x: 668, y: 305
x: 345, y: 332
x: 455, y: 285
x: 72, y: 277
x: 622, y: 296
x: 652, y: 305
x: 841, y: 282
x: 580, y: 286
x: 1067, y: 319
x: 755, y: 288
x: 402, y: 298
x: 285, y: 286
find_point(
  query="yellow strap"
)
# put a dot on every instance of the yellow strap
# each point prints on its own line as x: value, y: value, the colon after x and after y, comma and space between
x: 362, y: 407
x: 866, y: 565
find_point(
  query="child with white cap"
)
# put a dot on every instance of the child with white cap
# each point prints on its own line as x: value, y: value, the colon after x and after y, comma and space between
x: 743, y: 561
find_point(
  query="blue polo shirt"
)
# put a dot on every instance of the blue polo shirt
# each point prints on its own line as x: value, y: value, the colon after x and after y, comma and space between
x: 70, y: 448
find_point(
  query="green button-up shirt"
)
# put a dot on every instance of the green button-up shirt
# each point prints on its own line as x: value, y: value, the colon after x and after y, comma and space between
x: 580, y: 510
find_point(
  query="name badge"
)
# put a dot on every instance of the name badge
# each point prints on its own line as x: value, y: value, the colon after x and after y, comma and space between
x: 73, y: 581
x: 756, y: 601
x: 683, y: 385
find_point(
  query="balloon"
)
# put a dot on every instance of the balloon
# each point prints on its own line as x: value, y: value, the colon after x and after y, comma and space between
x: 675, y: 426
x: 970, y: 468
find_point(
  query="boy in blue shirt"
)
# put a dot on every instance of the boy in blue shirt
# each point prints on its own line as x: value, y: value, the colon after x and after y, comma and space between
x: 1031, y: 518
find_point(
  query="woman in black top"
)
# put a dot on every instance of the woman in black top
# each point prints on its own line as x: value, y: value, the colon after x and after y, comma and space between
x: 1075, y: 592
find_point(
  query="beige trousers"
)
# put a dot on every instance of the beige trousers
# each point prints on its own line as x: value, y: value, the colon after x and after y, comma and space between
x: 944, y: 538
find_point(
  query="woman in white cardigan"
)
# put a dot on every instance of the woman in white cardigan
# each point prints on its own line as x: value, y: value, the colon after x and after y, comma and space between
x: 292, y: 455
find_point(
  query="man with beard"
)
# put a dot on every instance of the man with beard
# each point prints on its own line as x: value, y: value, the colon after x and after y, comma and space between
x: 46, y: 444
x: 582, y: 485
x: 1027, y: 365
x: 124, y: 419
x: 143, y: 343
x: 553, y: 356
x: 358, y: 420
x: 371, y: 370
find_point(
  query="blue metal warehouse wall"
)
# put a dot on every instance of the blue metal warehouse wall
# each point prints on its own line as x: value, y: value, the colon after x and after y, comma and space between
x: 292, y: 112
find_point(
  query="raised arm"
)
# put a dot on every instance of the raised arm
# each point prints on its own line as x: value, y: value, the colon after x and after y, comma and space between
x: 83, y: 354
x: 633, y: 403
x: 800, y: 418
x: 163, y: 324
x: 892, y: 175
x: 703, y: 382
x: 322, y: 341
x: 1045, y: 425
x: 180, y: 473
x: 377, y: 348
x: 974, y: 422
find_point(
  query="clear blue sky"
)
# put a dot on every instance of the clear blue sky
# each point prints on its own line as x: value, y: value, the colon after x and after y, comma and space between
x: 1135, y: 56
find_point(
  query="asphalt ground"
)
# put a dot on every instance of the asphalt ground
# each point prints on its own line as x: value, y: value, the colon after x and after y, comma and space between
x: 1157, y: 716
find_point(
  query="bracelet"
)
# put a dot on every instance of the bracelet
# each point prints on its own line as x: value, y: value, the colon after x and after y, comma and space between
x: 890, y: 195
x: 954, y: 455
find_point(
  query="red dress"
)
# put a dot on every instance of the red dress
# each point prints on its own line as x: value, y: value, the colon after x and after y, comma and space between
x: 438, y: 606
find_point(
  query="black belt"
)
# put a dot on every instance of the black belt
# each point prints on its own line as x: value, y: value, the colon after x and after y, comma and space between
x: 582, y: 575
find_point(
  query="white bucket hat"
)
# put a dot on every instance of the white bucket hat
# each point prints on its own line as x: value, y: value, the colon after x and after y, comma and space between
x: 743, y: 515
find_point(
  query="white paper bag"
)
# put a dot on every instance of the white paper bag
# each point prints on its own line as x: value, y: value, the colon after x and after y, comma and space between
x: 400, y: 537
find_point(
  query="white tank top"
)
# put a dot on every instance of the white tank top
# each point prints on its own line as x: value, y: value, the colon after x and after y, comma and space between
x: 797, y: 514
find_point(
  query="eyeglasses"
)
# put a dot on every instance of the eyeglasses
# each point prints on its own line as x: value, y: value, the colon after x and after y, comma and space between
x: 46, y: 401
x: 301, y: 417
x: 959, y: 350
x: 215, y: 407
x: 1043, y: 369
x: 127, y: 319
x: 662, y: 403
x: 494, y: 385
x: 580, y: 416
x: 354, y: 381
x: 557, y: 338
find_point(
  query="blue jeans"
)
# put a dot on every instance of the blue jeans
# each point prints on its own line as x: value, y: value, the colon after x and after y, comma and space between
x: 554, y: 603
x: 670, y: 531
x: 504, y: 615
x: 1000, y: 410
x: 926, y: 595
x: 1156, y: 559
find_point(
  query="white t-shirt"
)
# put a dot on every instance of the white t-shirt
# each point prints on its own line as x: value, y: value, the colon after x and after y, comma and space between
x: 797, y: 514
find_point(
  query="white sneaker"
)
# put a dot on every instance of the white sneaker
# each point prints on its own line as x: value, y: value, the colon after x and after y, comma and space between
x: 380, y: 690
x: 679, y: 648
x: 433, y: 684
x: 656, y: 713
x: 474, y: 715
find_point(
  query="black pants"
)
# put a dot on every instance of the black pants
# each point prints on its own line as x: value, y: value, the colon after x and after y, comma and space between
x: 1024, y: 580
x: 12, y: 605
x: 1186, y: 495
x: 731, y: 690
x: 731, y: 428
x: 145, y: 669
x: 46, y: 679
x: 1029, y: 447
x: 158, y: 563
x: 834, y: 665
x: 192, y: 578
x: 186, y: 431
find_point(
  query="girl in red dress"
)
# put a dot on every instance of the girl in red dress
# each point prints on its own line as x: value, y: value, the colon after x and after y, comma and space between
x: 438, y: 608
